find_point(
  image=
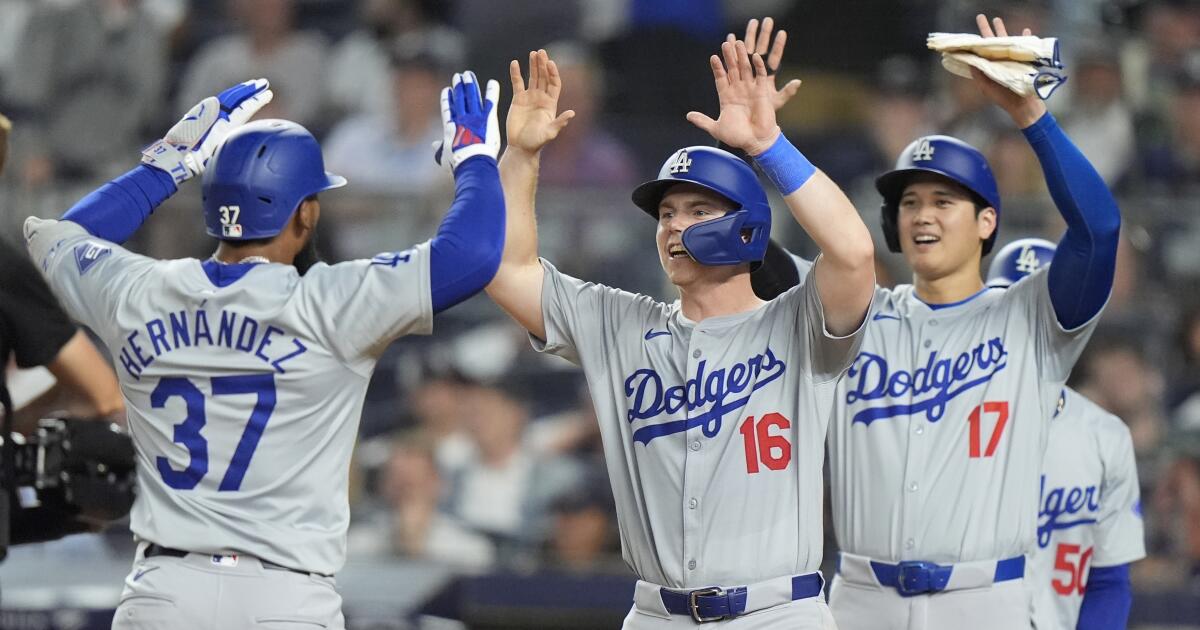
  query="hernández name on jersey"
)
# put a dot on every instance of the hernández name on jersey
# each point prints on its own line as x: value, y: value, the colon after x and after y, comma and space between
x: 649, y: 398
x: 1064, y: 508
x: 228, y: 329
x: 931, y: 386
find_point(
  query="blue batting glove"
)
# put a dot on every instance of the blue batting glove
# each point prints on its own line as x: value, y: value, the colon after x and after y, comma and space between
x: 469, y: 123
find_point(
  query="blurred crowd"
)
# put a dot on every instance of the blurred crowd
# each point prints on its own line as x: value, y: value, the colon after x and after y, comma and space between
x: 477, y: 452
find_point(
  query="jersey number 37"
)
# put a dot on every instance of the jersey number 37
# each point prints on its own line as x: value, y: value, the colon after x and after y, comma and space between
x: 187, y: 433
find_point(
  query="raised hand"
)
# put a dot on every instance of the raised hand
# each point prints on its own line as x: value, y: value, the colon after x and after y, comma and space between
x: 532, y: 118
x: 758, y: 40
x: 469, y: 120
x: 1024, y: 110
x: 184, y: 152
x: 746, y: 95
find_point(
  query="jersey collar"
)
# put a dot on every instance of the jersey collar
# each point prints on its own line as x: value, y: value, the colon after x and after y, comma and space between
x: 938, y: 307
x: 222, y: 274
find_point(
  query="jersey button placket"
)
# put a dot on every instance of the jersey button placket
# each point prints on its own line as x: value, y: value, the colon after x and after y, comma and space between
x: 694, y: 469
x: 916, y: 453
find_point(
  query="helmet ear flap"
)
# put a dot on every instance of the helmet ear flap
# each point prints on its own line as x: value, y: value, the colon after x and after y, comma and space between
x: 891, y: 231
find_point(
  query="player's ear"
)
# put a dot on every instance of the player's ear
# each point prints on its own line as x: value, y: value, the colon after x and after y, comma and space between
x: 308, y: 214
x: 985, y: 219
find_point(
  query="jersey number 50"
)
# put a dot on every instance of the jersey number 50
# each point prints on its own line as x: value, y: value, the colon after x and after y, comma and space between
x: 188, y: 434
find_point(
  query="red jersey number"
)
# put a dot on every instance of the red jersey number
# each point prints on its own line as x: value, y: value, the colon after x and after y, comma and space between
x: 1069, y: 560
x: 762, y: 447
x: 996, y: 409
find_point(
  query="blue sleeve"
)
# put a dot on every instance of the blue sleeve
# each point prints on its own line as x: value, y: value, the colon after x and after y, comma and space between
x: 1081, y: 272
x: 117, y: 209
x: 1107, y: 600
x: 465, y: 254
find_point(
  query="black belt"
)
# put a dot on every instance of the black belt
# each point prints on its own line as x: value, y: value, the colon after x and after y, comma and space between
x: 155, y: 549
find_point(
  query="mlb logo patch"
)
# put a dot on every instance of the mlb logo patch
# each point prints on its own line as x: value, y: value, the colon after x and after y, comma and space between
x: 231, y: 231
x: 88, y: 254
x: 225, y: 561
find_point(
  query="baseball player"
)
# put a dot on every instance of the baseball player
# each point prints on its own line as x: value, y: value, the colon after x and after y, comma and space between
x: 712, y: 409
x: 1089, y: 514
x: 943, y: 417
x: 244, y: 379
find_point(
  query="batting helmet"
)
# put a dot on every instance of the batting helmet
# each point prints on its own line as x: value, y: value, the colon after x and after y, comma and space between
x: 739, y: 236
x: 942, y: 155
x: 258, y: 178
x: 1019, y: 259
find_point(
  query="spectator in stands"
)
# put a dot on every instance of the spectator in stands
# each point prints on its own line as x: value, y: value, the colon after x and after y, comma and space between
x: 390, y: 153
x: 411, y: 522
x: 584, y: 531
x: 1113, y: 373
x: 1098, y: 118
x: 360, y: 64
x: 265, y: 44
x: 895, y: 112
x: 1176, y: 502
x: 965, y: 113
x: 496, y: 32
x: 89, y: 77
x: 438, y: 405
x: 1015, y: 166
x: 1168, y: 30
x: 584, y: 154
x: 506, y: 489
x: 1185, y: 391
x: 1172, y: 164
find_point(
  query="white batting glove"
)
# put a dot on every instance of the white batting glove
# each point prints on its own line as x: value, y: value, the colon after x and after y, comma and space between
x: 469, y: 123
x: 185, y: 150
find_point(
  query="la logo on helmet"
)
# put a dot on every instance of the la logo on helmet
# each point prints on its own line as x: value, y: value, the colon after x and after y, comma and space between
x: 681, y: 163
x: 923, y: 152
x: 1027, y: 262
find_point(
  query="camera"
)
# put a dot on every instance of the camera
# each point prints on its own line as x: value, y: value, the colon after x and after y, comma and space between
x: 70, y: 476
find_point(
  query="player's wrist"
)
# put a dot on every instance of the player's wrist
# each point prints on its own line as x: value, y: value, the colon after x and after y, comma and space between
x: 761, y: 146
x: 169, y: 159
x: 1028, y: 113
x: 785, y: 165
x: 523, y: 153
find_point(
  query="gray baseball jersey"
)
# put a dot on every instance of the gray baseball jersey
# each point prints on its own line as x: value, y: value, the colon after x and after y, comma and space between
x: 942, y: 422
x: 713, y: 431
x: 243, y: 385
x: 1089, y: 514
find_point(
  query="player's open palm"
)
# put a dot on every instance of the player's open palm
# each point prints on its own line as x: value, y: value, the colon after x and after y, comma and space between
x: 758, y: 40
x: 746, y: 94
x: 532, y: 118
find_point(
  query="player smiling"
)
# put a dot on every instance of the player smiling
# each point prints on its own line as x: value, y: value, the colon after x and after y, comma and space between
x: 712, y: 409
x: 943, y: 417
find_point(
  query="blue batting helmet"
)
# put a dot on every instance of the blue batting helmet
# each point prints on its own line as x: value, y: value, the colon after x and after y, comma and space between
x: 258, y: 178
x: 942, y: 155
x: 739, y: 236
x: 1019, y: 259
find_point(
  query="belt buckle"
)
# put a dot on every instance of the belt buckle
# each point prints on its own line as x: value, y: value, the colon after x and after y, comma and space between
x: 694, y: 605
x: 913, y: 578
